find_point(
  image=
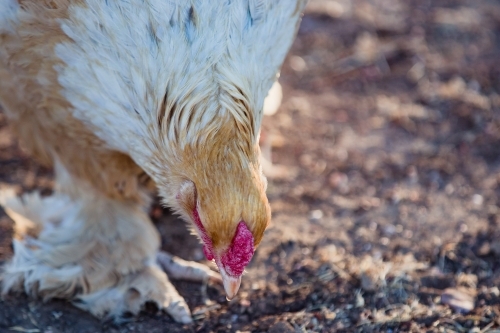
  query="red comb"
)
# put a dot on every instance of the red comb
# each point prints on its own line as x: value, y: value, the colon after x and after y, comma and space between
x: 240, y: 252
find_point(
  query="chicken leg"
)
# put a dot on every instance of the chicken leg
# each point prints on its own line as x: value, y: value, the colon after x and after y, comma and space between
x: 99, y: 252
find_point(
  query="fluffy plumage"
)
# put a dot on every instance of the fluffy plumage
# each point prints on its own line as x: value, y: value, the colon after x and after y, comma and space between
x: 109, y: 90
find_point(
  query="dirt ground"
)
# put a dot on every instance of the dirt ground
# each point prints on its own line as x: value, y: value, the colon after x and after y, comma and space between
x: 386, y: 191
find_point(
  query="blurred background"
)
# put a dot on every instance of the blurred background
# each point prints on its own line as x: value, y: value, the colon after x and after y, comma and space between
x: 384, y: 184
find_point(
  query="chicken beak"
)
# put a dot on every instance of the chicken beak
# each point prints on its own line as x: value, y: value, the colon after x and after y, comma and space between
x: 231, y: 286
x: 231, y: 283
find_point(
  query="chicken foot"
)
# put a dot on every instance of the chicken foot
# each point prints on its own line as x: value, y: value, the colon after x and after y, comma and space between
x: 95, y: 251
x: 177, y: 268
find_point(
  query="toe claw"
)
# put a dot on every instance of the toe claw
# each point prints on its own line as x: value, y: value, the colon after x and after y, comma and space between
x: 179, y: 311
x: 186, y: 320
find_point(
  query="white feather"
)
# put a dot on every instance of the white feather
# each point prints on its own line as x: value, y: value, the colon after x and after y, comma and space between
x: 127, y: 54
x: 258, y: 9
x: 8, y: 15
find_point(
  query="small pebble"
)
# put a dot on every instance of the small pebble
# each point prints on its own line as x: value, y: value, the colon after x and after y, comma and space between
x: 316, y: 214
x: 477, y: 200
x: 297, y: 63
x: 459, y: 300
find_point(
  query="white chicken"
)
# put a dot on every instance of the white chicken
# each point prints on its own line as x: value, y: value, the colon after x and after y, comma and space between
x: 107, y: 91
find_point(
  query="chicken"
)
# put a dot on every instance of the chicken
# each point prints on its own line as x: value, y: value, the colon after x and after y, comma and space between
x: 108, y: 92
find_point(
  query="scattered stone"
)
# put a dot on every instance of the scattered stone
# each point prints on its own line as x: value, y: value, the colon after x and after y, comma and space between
x: 459, y: 299
x: 477, y: 200
x: 328, y: 314
x: 316, y: 214
x: 297, y: 63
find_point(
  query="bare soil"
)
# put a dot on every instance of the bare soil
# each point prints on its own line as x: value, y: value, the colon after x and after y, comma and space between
x: 386, y: 204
